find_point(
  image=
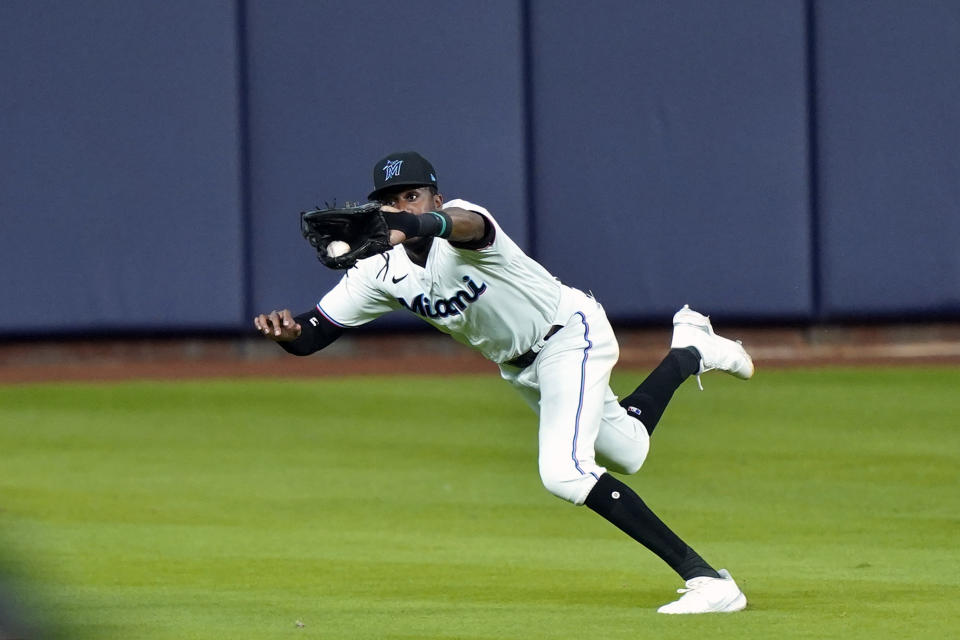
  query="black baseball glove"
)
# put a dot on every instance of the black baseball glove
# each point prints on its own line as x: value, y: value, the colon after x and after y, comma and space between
x: 362, y: 227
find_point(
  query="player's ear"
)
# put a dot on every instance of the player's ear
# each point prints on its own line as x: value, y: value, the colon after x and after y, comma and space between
x: 437, y: 200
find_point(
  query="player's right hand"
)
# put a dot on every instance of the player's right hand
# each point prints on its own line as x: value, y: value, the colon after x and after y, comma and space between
x: 278, y: 325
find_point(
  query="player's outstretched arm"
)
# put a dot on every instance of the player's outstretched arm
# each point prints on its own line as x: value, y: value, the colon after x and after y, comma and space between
x: 300, y: 335
x: 468, y: 226
x: 454, y: 224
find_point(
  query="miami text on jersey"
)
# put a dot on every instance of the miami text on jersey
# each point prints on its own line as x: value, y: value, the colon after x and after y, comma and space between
x: 444, y: 307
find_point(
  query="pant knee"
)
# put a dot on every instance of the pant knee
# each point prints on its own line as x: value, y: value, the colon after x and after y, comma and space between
x: 566, y: 485
x: 623, y: 445
x: 631, y: 461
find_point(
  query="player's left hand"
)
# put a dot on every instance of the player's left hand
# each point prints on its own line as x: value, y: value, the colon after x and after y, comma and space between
x: 396, y: 236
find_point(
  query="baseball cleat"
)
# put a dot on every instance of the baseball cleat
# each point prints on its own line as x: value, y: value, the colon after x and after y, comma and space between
x: 692, y: 329
x: 708, y: 595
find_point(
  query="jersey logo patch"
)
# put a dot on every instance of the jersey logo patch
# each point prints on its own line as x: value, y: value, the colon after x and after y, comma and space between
x: 391, y: 169
x: 396, y: 279
x: 445, y: 307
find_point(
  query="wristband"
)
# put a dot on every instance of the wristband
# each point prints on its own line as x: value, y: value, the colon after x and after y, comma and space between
x: 438, y: 223
x: 431, y: 223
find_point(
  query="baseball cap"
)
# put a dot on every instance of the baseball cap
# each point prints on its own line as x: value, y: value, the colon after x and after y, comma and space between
x: 402, y: 169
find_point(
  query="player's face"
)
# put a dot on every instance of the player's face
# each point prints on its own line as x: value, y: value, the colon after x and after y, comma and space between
x: 418, y: 200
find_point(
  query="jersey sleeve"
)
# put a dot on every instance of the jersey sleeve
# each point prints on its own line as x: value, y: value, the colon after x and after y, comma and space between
x: 356, y: 299
x: 500, y: 248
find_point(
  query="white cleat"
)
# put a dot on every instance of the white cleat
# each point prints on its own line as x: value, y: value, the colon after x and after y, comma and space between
x: 708, y: 595
x: 692, y: 329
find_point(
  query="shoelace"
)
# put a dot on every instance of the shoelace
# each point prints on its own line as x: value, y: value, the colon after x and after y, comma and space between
x: 699, y: 383
x: 695, y: 586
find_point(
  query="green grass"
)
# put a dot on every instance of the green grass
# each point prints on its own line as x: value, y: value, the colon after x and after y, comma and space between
x: 404, y: 508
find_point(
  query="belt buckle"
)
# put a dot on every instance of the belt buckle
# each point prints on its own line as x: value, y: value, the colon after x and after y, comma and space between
x: 526, y: 358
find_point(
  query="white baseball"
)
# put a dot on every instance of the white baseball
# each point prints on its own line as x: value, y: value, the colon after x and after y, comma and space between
x: 337, y: 248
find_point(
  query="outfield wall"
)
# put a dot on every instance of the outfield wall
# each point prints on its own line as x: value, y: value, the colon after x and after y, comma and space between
x: 766, y: 161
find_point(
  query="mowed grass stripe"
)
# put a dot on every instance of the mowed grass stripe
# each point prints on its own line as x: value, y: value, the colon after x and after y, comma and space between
x: 411, y: 508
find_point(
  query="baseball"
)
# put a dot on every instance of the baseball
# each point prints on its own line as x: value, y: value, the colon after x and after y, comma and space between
x: 337, y: 248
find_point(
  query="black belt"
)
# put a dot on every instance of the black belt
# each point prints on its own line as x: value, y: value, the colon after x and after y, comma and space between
x: 524, y: 360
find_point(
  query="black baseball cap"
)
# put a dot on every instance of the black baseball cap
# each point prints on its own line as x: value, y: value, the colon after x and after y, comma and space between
x: 402, y: 169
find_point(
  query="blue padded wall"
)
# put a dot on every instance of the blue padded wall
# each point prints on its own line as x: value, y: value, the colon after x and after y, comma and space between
x: 119, y: 171
x: 155, y: 156
x: 335, y: 86
x: 670, y: 145
x: 889, y: 123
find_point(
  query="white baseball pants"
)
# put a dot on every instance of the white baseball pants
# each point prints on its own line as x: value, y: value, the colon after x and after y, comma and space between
x: 568, y: 385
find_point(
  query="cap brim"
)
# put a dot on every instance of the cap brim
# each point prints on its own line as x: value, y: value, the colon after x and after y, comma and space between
x: 375, y: 195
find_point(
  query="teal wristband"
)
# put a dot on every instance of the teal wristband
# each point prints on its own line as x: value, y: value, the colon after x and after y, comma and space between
x: 444, y: 224
x: 431, y: 223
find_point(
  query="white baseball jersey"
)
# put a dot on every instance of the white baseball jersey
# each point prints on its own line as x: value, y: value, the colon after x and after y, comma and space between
x: 495, y: 299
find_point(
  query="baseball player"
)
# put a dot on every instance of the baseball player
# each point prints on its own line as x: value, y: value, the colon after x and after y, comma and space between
x: 452, y: 265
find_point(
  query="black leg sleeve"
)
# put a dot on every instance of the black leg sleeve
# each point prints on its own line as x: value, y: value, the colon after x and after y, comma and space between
x: 619, y: 504
x: 648, y: 402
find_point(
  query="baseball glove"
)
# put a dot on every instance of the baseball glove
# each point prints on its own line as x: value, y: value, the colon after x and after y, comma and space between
x: 363, y: 228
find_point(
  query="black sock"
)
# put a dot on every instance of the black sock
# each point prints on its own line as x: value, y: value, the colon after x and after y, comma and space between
x: 618, y: 503
x: 648, y: 402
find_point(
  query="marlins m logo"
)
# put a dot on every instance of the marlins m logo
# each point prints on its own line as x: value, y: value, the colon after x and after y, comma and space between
x: 391, y: 169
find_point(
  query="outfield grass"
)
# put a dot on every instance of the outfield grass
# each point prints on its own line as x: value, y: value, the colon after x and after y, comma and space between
x: 411, y: 508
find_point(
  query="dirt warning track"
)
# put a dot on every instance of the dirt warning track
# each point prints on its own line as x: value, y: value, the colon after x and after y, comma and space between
x: 432, y: 354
